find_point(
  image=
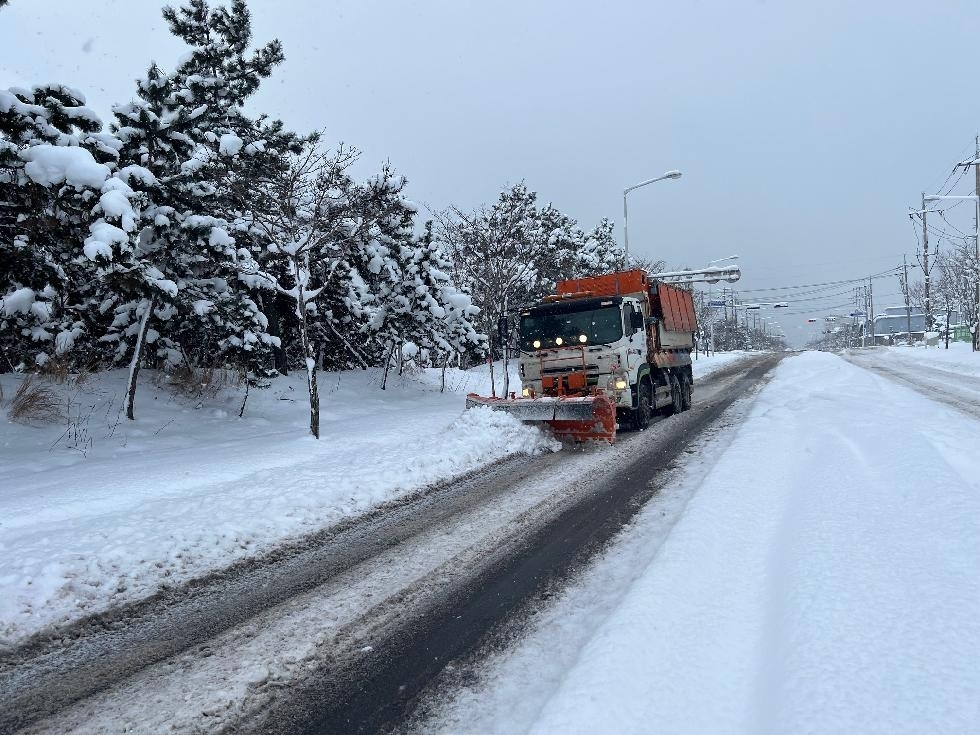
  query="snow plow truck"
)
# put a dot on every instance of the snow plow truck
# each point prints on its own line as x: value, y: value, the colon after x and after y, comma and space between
x: 603, y: 352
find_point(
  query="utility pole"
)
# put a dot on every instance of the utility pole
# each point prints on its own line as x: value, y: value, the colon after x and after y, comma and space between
x: 859, y: 306
x: 871, y: 311
x: 905, y: 290
x: 925, y: 266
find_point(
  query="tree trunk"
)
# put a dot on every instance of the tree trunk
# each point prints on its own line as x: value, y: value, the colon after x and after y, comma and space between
x: 384, y: 380
x: 279, y: 353
x: 134, y: 366
x: 241, y: 413
x: 309, y: 354
x: 948, y: 315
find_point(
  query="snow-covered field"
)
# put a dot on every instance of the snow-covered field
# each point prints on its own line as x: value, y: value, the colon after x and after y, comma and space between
x: 96, y: 510
x: 817, y: 574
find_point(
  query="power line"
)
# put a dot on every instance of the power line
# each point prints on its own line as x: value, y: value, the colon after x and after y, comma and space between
x: 883, y: 274
x: 943, y: 216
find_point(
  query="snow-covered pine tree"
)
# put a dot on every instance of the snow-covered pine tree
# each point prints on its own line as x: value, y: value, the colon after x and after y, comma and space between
x: 598, y: 252
x: 55, y: 164
x: 186, y: 130
x: 565, y: 239
x: 235, y: 153
x: 377, y: 297
x: 442, y: 316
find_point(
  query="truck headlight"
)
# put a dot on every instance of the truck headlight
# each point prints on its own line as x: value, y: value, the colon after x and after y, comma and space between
x: 620, y: 384
x: 526, y: 392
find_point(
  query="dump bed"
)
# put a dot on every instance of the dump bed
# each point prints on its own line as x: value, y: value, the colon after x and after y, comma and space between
x: 674, y: 308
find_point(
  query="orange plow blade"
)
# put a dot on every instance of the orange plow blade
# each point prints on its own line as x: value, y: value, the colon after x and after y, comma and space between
x: 580, y: 418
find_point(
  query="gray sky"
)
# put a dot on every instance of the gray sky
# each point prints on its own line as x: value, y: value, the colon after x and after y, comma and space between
x: 804, y: 129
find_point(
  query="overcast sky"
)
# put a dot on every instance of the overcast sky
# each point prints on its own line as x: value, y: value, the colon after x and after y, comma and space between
x: 804, y: 130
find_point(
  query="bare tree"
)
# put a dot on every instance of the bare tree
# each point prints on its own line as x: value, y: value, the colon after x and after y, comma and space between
x: 305, y: 215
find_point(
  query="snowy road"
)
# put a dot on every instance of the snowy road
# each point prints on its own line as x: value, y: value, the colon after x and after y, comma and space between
x: 343, y: 601
x: 819, y: 575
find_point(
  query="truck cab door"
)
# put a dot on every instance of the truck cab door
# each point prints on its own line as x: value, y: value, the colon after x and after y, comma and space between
x: 633, y: 324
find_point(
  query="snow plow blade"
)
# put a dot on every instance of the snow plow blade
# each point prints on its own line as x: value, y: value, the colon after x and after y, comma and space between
x: 580, y: 418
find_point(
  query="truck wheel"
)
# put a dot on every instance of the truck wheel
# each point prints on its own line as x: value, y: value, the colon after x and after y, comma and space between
x: 641, y: 416
x: 676, y: 401
x: 687, y: 391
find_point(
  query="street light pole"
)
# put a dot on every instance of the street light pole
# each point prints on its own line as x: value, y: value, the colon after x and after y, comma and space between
x: 626, y: 232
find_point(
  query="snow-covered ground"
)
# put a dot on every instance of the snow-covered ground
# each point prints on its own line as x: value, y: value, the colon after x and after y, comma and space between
x: 96, y: 510
x: 112, y: 509
x: 958, y: 359
x: 817, y: 574
x: 705, y: 365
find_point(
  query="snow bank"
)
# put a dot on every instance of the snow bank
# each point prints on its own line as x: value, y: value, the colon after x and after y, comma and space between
x: 113, y: 509
x: 821, y: 578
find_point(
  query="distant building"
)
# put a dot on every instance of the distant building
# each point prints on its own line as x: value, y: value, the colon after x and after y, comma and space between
x: 894, y: 325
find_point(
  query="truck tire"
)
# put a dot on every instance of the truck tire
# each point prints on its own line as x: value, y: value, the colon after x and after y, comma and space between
x: 676, y: 401
x: 687, y: 391
x: 641, y: 416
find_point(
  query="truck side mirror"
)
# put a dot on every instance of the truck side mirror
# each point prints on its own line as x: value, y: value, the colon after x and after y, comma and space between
x: 636, y: 320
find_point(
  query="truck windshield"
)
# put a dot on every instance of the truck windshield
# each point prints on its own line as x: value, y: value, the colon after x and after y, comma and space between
x: 598, y: 325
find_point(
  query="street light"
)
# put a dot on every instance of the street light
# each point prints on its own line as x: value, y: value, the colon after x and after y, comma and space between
x: 976, y: 199
x: 673, y: 174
